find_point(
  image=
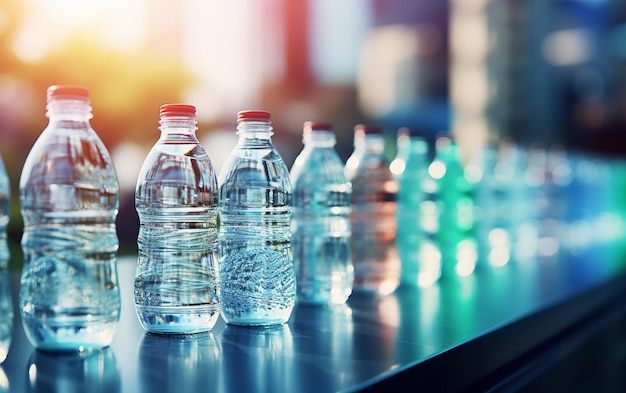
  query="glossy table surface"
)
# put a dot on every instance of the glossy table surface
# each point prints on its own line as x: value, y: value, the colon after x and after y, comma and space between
x: 320, y: 349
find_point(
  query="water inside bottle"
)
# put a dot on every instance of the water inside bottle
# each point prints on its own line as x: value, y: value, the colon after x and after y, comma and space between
x: 177, y: 283
x: 69, y: 295
x: 321, y: 243
x: 256, y: 264
x: 258, y: 281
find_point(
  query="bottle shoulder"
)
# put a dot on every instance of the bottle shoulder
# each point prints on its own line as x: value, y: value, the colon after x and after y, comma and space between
x: 318, y: 166
x: 66, y: 156
x: 177, y: 170
x: 259, y: 168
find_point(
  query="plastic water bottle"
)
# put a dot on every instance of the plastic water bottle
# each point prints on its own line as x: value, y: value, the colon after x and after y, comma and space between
x: 5, y: 209
x: 455, y: 236
x: 69, y: 195
x: 176, y: 288
x: 420, y: 257
x: 373, y: 216
x: 256, y: 264
x: 320, y: 225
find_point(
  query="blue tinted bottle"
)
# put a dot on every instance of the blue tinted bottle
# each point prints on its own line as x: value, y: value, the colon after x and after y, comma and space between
x: 256, y: 264
x: 320, y: 223
x: 69, y: 296
x: 176, y: 288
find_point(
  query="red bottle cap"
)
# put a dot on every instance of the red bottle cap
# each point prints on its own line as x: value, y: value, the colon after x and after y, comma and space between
x: 368, y: 129
x: 253, y: 115
x: 68, y: 92
x: 177, y: 110
x: 317, y: 126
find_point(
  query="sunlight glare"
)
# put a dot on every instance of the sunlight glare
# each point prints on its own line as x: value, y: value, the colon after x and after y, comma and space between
x: 118, y: 23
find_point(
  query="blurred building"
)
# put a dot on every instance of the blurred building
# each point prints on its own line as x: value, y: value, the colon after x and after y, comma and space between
x: 534, y: 71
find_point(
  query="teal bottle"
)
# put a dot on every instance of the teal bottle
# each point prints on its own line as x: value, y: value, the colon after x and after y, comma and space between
x: 419, y: 255
x: 454, y: 205
x: 320, y: 222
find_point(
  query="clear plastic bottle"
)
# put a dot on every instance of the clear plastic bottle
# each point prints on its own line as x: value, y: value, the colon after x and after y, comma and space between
x: 320, y: 223
x: 69, y: 195
x: 420, y: 257
x: 5, y: 209
x: 176, y: 288
x: 256, y: 264
x: 373, y: 216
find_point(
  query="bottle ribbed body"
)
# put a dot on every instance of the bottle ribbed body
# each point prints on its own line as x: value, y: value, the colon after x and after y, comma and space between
x: 373, y: 216
x: 176, y: 287
x: 320, y: 223
x: 256, y: 264
x: 69, y: 198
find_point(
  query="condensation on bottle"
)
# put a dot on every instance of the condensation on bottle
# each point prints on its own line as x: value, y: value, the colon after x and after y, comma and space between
x: 176, y: 288
x: 419, y: 255
x: 373, y: 215
x: 5, y: 209
x: 256, y: 263
x: 320, y: 223
x: 69, y: 196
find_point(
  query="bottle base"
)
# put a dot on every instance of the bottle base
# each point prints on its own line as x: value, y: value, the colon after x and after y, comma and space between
x: 254, y: 319
x: 64, y: 335
x: 323, y: 299
x: 376, y: 288
x: 178, y: 320
x: 324, y: 290
x: 256, y: 322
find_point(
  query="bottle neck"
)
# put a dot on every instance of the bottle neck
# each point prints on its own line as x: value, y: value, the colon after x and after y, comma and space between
x: 180, y: 128
x: 319, y: 139
x: 370, y: 144
x: 417, y: 146
x: 254, y: 130
x: 69, y: 110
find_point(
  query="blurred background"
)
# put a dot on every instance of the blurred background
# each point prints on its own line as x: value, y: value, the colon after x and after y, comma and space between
x: 547, y: 72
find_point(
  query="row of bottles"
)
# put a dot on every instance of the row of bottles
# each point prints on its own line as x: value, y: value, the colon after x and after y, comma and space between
x: 507, y: 204
x: 247, y: 244
x: 205, y: 247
